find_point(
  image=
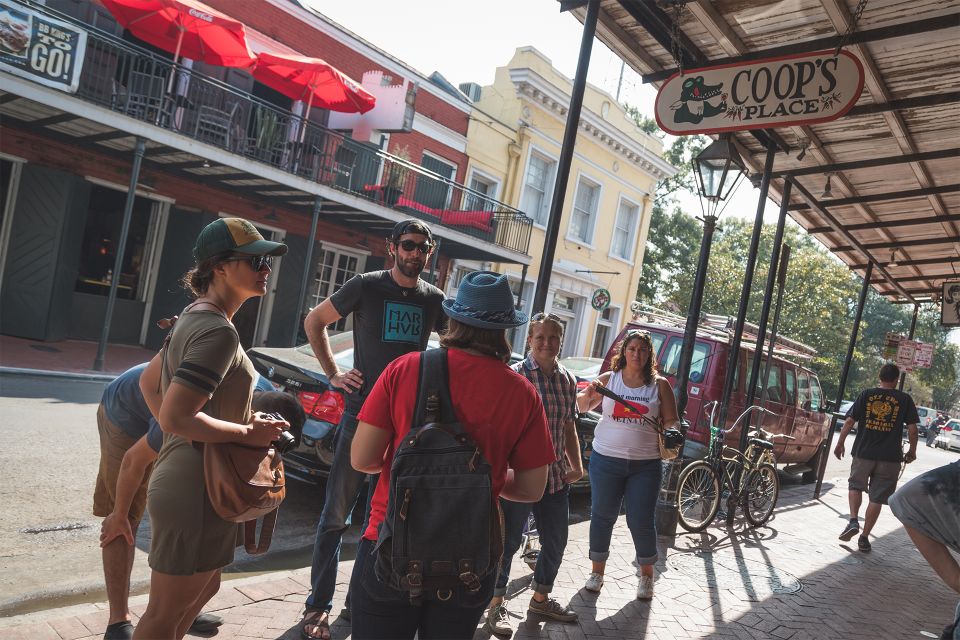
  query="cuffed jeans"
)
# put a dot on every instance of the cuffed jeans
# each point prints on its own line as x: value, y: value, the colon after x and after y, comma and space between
x: 380, y: 612
x: 552, y: 513
x: 343, y: 489
x: 615, y: 481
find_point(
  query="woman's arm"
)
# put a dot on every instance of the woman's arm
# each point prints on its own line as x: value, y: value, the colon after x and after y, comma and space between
x: 150, y: 385
x: 590, y: 397
x: 668, y: 404
x: 181, y: 414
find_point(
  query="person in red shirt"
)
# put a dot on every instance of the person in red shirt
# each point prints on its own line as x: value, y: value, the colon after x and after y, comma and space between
x: 501, y: 411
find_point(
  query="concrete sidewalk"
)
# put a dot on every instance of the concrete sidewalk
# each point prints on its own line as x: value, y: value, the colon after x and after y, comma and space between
x: 69, y: 358
x: 792, y: 579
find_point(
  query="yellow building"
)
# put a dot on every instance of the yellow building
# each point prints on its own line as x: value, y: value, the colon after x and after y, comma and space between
x: 514, y: 141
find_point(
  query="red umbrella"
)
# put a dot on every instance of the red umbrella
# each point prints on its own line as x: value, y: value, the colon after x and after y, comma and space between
x: 314, y: 81
x: 185, y: 27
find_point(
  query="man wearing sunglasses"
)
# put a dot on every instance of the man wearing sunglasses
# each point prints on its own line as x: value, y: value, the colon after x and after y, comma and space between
x: 394, y: 312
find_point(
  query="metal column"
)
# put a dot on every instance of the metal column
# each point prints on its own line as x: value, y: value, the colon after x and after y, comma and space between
x: 138, y: 151
x: 745, y: 291
x: 666, y: 510
x: 913, y: 329
x: 825, y: 451
x: 523, y: 283
x: 566, y: 155
x: 767, y: 298
x: 307, y: 266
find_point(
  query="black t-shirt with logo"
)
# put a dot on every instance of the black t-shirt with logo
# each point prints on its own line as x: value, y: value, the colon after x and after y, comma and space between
x: 881, y: 415
x: 388, y: 321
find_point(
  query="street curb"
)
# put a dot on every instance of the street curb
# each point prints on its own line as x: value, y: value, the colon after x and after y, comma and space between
x: 69, y: 375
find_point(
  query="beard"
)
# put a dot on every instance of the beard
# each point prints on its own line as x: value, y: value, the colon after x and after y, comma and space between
x: 411, y: 268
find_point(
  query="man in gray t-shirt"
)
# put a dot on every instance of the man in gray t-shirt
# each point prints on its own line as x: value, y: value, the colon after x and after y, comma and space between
x: 394, y: 312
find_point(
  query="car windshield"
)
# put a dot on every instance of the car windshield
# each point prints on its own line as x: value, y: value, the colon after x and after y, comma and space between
x: 582, y: 365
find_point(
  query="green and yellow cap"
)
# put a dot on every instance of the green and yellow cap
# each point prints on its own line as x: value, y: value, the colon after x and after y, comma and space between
x: 234, y: 235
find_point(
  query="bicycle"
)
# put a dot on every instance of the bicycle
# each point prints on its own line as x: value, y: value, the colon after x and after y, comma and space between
x: 749, y: 479
x: 531, y: 542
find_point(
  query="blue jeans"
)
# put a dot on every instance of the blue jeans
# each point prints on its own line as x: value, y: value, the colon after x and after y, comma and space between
x: 343, y: 489
x: 614, y: 481
x: 381, y: 612
x: 552, y: 514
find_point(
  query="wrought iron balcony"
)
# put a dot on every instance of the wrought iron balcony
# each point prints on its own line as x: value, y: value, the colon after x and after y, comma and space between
x: 135, y: 82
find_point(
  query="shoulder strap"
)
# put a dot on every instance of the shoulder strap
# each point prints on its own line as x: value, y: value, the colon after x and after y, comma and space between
x: 433, y: 390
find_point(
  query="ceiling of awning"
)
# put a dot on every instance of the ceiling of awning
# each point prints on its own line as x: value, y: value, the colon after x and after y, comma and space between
x: 894, y: 158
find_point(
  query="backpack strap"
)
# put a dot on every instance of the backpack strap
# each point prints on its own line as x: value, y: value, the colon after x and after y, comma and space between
x: 434, y: 403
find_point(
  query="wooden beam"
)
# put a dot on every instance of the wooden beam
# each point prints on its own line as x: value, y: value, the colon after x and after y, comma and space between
x: 947, y: 21
x: 57, y: 119
x: 872, y: 162
x: 944, y: 276
x: 890, y: 224
x: 905, y: 103
x: 104, y: 137
x: 922, y: 242
x: 884, y: 197
x: 908, y: 263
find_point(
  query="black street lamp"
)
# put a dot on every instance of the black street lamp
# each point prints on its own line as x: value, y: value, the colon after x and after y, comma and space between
x: 718, y: 170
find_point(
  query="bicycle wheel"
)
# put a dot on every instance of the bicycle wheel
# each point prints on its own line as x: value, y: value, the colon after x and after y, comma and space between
x: 698, y: 496
x: 762, y: 489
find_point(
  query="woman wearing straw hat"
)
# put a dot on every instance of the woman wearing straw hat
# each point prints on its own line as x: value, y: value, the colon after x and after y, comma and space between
x: 498, y: 408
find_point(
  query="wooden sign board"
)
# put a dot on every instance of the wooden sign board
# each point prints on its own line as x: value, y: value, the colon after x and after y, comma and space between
x: 776, y: 92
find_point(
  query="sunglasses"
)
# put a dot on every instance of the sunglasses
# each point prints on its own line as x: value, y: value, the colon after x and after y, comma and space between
x: 409, y: 245
x: 540, y: 317
x: 637, y: 333
x: 257, y: 263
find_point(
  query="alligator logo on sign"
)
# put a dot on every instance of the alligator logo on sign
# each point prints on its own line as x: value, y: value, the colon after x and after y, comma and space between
x: 800, y: 89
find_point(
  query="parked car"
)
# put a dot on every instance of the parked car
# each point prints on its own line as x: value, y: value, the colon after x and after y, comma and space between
x: 840, y: 415
x: 949, y: 436
x: 793, y: 391
x: 584, y: 369
x: 296, y: 370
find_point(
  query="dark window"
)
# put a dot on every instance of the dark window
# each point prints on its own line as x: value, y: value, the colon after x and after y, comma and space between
x: 100, y: 239
x: 6, y: 169
x: 803, y: 390
x: 698, y: 363
x: 790, y: 387
x: 432, y: 192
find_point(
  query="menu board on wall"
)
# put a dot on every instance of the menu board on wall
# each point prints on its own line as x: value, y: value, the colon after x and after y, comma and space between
x: 40, y: 48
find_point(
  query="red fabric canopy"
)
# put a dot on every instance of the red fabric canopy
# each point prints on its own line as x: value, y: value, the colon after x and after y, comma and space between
x: 313, y: 81
x: 186, y: 28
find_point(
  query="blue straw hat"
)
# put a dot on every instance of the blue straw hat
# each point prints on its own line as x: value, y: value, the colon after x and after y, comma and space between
x: 484, y: 300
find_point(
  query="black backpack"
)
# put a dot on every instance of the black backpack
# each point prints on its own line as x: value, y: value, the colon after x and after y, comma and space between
x: 443, y: 527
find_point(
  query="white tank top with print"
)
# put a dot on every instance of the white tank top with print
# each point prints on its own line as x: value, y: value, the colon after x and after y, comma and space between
x: 620, y: 432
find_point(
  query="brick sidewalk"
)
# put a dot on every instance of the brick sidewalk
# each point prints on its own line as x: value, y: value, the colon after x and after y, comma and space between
x: 69, y: 356
x: 789, y: 580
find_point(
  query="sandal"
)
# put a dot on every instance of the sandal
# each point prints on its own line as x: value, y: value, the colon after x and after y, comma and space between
x: 315, y: 625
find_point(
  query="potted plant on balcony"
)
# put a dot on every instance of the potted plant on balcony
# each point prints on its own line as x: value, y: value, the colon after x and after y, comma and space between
x: 396, y: 174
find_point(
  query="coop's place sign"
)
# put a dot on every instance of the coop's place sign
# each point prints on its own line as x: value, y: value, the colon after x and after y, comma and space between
x: 791, y: 90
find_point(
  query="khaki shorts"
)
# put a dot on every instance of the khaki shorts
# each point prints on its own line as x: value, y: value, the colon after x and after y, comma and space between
x: 113, y: 444
x: 877, y: 477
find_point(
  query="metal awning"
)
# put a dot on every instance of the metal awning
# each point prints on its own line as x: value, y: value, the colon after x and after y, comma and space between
x: 893, y: 160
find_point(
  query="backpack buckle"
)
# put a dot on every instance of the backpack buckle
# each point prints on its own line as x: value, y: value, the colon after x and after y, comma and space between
x: 471, y: 581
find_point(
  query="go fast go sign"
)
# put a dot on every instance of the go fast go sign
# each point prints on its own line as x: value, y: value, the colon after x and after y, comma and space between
x: 776, y: 92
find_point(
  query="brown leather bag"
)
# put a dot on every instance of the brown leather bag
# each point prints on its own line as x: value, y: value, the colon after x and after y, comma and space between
x: 243, y: 484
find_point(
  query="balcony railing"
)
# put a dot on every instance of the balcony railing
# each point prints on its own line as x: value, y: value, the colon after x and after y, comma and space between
x: 133, y: 81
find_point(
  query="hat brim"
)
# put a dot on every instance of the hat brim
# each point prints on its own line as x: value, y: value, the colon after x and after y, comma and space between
x: 262, y: 248
x: 519, y: 318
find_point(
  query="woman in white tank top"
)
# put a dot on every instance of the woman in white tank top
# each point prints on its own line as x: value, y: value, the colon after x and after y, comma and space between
x: 625, y: 464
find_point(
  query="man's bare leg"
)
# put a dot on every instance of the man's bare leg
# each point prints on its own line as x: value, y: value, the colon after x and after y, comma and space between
x: 870, y: 517
x: 117, y: 565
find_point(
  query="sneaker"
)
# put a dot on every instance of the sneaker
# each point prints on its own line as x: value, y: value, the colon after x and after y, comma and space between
x: 594, y: 582
x: 498, y: 621
x: 863, y: 544
x: 552, y: 609
x: 119, y: 631
x: 205, y: 623
x: 645, y: 588
x: 851, y: 530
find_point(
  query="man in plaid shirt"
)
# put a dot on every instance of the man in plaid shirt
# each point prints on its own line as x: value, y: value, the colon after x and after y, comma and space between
x: 558, y: 390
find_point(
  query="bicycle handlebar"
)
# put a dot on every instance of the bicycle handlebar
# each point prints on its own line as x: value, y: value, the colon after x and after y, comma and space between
x: 766, y: 435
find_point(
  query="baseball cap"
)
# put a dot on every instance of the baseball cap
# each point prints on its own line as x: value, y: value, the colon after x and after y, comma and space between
x: 411, y: 225
x: 234, y: 235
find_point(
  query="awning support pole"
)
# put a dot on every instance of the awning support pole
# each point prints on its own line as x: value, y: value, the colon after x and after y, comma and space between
x: 523, y: 283
x: 765, y: 309
x: 138, y: 151
x: 733, y: 356
x: 913, y: 329
x: 566, y: 156
x: 854, y: 332
x: 307, y: 266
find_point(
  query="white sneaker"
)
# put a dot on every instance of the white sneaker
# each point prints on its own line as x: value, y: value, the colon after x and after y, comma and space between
x: 594, y: 582
x: 645, y: 588
x: 498, y: 621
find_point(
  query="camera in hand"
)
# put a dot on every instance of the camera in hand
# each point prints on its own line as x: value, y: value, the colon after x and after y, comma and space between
x: 286, y: 441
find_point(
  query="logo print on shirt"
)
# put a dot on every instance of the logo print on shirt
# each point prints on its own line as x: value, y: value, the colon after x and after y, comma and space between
x: 402, y: 322
x: 621, y: 412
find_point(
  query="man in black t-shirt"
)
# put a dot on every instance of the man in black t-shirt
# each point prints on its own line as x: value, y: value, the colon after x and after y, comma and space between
x: 877, y: 450
x: 394, y: 312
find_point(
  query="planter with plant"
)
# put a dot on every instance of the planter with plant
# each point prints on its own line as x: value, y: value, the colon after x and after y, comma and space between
x: 396, y: 175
